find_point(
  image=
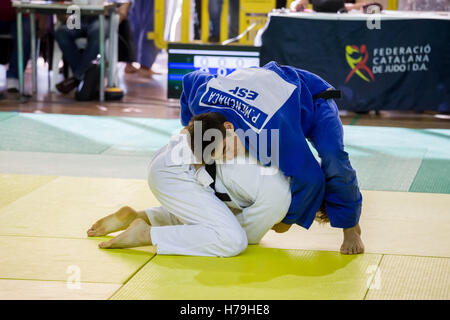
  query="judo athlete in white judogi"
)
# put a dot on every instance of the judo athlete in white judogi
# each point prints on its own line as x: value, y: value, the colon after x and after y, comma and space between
x: 192, y: 220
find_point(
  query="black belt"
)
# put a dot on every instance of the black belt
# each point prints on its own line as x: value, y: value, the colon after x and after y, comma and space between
x: 211, y: 169
x: 328, y: 94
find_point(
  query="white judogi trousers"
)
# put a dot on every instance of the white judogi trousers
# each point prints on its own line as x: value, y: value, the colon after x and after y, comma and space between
x: 193, y: 221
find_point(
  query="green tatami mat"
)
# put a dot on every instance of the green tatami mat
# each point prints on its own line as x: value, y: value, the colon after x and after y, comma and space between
x: 393, y: 154
x: 406, y: 278
x: 433, y: 176
x: 7, y: 115
x: 384, y: 158
x: 26, y: 133
x: 35, y: 258
x: 258, y: 273
x: 85, y: 134
x: 14, y: 186
x: 385, y: 168
x: 432, y: 139
x: 68, y: 206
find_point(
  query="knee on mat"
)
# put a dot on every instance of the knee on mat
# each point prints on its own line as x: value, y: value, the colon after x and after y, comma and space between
x: 232, y: 243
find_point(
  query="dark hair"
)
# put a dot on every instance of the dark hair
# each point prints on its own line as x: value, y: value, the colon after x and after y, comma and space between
x: 208, y: 120
x: 322, y: 215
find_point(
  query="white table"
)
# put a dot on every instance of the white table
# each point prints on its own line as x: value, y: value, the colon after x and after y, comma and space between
x: 58, y: 7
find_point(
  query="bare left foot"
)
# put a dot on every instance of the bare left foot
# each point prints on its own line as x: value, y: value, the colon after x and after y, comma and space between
x: 352, y: 243
x: 137, y: 234
x: 117, y: 221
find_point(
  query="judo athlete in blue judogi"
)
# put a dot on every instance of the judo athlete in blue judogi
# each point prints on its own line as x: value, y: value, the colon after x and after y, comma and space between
x: 296, y: 103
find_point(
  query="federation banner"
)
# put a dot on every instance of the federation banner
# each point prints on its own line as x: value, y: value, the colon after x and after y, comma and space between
x: 403, y: 65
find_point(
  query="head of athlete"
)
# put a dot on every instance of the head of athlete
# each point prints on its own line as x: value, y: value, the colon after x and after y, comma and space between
x: 212, y: 137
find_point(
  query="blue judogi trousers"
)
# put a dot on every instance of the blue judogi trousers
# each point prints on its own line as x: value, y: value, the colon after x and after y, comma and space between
x: 342, y: 195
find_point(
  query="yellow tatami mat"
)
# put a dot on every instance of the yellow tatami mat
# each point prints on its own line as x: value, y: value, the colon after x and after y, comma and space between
x: 258, y: 273
x: 14, y: 186
x: 403, y: 277
x: 50, y: 290
x: 43, y: 223
x: 68, y: 206
x: 43, y: 242
x: 37, y: 258
x: 392, y: 223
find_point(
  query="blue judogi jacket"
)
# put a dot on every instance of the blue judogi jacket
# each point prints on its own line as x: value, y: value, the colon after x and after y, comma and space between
x: 260, y: 100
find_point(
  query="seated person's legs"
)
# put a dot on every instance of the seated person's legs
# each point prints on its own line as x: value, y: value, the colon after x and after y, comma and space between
x: 78, y: 62
x: 66, y: 40
x: 10, y: 27
x: 93, y: 48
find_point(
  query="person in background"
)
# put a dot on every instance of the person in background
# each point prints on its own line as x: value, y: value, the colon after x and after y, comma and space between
x: 424, y: 5
x: 142, y: 21
x: 215, y: 12
x: 8, y: 25
x: 78, y: 61
x: 300, y: 5
x: 126, y: 45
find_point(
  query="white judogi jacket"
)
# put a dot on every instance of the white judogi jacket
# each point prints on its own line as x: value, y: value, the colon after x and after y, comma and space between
x: 193, y: 221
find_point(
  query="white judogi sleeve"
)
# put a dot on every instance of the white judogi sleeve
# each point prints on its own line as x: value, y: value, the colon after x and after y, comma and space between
x: 263, y: 194
x: 272, y: 201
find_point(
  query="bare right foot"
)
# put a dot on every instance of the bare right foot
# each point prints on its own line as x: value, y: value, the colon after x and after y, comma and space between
x: 358, y: 229
x: 117, y: 221
x: 352, y: 243
x: 137, y: 234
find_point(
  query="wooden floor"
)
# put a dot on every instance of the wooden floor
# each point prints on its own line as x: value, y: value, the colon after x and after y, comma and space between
x: 148, y: 98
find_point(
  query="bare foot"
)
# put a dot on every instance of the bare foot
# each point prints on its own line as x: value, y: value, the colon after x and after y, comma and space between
x: 352, y: 243
x: 117, y: 221
x: 358, y: 229
x: 137, y: 234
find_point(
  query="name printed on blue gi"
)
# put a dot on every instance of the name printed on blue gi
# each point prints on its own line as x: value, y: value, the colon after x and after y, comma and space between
x: 219, y: 99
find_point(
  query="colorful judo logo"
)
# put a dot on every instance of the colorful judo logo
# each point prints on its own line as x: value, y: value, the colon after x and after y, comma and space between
x: 357, y: 59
